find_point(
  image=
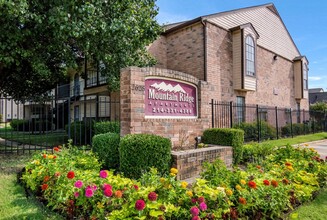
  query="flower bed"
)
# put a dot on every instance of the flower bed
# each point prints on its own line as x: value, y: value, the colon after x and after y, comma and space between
x: 71, y: 182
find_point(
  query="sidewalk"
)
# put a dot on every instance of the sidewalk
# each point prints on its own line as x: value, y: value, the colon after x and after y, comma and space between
x: 320, y: 146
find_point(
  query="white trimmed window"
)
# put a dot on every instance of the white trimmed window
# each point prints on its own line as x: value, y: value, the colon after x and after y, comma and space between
x: 250, y: 56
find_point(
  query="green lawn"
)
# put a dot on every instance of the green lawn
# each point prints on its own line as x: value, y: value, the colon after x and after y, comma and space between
x: 298, y: 139
x: 13, y: 202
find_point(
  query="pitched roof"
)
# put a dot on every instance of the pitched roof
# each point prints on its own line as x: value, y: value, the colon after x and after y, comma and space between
x: 265, y: 19
x: 317, y: 97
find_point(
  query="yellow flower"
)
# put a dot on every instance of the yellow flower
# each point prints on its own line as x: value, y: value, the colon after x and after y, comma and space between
x: 243, y: 182
x: 174, y: 171
x: 50, y: 156
x: 184, y: 184
x: 162, y: 180
x: 100, y: 205
x: 229, y: 192
x: 290, y: 168
x: 189, y: 193
x: 306, y: 145
x: 238, y: 187
x: 172, y: 174
x: 36, y: 162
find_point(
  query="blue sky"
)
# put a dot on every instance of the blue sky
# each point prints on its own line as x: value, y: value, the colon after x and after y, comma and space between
x: 305, y: 20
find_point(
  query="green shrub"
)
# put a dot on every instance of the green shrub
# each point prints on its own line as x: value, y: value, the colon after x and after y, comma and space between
x: 103, y: 127
x: 139, y: 152
x: 228, y: 137
x: 1, y: 118
x: 106, y: 146
x: 255, y: 152
x: 296, y: 129
x: 19, y: 125
x: 80, y: 132
x: 251, y: 130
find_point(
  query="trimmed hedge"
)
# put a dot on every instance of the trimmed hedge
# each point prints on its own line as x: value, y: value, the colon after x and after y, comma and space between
x: 139, y: 152
x: 35, y: 125
x: 80, y: 132
x: 106, y: 146
x: 227, y: 137
x: 103, y: 127
x: 251, y: 131
x: 297, y: 129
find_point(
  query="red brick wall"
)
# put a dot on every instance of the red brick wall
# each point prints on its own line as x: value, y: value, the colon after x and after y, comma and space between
x: 133, y: 119
x: 189, y: 163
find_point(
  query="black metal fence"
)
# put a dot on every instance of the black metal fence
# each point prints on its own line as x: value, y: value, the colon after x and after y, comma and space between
x: 264, y: 122
x: 39, y: 124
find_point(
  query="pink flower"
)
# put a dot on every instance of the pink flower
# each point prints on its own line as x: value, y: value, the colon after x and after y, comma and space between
x: 103, y: 174
x: 78, y: 184
x: 88, y: 192
x: 194, y: 211
x: 193, y: 200
x: 106, y: 186
x: 140, y: 204
x: 136, y: 187
x: 107, y: 192
x: 152, y: 196
x: 76, y: 194
x: 203, y: 206
x: 196, y: 218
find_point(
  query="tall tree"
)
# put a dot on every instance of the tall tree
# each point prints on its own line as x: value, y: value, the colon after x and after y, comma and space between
x: 40, y: 40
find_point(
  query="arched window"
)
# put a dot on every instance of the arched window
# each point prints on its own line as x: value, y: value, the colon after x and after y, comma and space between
x: 250, y: 56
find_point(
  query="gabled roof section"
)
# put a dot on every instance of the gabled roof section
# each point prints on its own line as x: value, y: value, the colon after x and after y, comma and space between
x: 265, y: 19
x: 247, y: 25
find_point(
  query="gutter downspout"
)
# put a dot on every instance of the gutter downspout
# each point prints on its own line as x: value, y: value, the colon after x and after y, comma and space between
x: 205, y: 41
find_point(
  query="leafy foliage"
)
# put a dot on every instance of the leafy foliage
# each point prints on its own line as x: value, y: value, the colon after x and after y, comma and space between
x: 251, y: 130
x: 139, y: 152
x: 106, y: 146
x: 227, y: 137
x: 103, y: 127
x: 80, y: 131
x: 41, y: 40
x: 318, y: 107
x: 296, y: 129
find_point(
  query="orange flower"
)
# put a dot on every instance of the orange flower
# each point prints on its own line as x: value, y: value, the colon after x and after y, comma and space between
x: 266, y: 182
x: 285, y: 181
x: 288, y: 164
x: 118, y: 194
x: 242, y: 200
x: 274, y: 183
x: 46, y: 179
x: 56, y: 149
x: 258, y: 167
x: 44, y: 186
x: 44, y: 156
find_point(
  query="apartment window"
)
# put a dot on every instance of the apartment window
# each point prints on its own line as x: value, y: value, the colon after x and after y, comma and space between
x: 263, y: 114
x: 305, y: 77
x: 76, y: 113
x: 250, y: 56
x: 240, y: 109
x: 91, y: 78
x: 76, y: 85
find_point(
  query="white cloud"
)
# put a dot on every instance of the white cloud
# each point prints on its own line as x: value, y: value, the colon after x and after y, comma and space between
x: 314, y: 78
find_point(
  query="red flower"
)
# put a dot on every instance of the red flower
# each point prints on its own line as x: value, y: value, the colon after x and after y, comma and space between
x: 193, y: 200
x: 152, y: 196
x: 44, y: 186
x: 258, y: 167
x: 46, y: 179
x: 242, y: 200
x: 136, y: 187
x: 140, y: 204
x: 288, y: 164
x: 70, y: 175
x: 54, y: 157
x: 44, y: 156
x: 252, y: 184
x: 201, y: 199
x: 266, y: 182
x: 274, y: 183
x: 56, y: 149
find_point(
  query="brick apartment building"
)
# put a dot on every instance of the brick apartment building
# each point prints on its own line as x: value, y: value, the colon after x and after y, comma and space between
x: 247, y: 56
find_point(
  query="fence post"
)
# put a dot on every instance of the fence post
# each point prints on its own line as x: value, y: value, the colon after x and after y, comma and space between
x: 291, y: 122
x: 258, y: 123
x: 231, y: 114
x: 69, y: 125
x: 212, y: 115
x: 277, y: 132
